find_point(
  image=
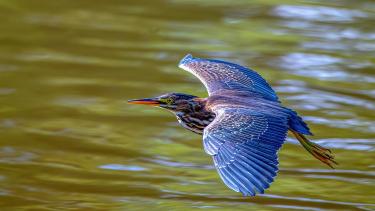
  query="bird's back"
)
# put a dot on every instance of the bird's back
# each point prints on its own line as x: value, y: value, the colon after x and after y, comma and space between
x: 256, y: 103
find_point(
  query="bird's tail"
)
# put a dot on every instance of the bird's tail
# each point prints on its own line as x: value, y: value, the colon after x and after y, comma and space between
x: 323, y: 154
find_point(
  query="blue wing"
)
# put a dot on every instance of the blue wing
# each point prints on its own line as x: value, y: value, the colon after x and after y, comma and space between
x: 244, y: 146
x: 220, y: 75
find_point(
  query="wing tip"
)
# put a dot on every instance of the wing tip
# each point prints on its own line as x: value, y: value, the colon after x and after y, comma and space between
x: 188, y: 58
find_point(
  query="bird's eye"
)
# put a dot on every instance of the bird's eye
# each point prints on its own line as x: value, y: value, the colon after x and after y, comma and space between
x: 169, y: 101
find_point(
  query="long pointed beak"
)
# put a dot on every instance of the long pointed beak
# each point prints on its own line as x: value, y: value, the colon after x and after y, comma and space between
x: 145, y: 101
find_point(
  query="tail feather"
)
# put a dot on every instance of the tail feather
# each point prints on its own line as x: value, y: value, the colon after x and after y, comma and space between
x: 296, y: 123
x: 323, y: 154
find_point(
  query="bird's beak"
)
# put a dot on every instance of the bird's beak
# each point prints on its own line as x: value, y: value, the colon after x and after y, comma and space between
x: 145, y: 101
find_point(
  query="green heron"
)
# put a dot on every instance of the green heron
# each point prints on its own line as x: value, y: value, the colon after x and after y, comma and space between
x: 242, y: 121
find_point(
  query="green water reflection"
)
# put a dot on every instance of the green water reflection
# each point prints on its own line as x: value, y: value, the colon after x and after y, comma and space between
x: 70, y: 141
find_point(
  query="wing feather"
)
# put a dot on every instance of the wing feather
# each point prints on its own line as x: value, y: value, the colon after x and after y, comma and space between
x: 244, y: 146
x: 220, y: 75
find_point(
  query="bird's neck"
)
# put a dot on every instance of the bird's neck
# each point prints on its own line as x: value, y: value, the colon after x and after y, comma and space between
x: 197, y: 117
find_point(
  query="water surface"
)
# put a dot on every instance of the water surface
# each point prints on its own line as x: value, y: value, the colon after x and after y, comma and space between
x: 70, y: 141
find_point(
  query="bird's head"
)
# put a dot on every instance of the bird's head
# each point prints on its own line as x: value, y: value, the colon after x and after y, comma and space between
x: 174, y: 102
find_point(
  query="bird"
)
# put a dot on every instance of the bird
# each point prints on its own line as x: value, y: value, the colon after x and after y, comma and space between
x: 242, y: 121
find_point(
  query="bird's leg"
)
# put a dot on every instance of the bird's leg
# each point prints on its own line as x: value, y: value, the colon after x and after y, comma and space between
x: 323, y: 154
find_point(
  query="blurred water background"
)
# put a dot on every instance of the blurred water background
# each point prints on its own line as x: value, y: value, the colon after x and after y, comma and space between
x: 68, y: 140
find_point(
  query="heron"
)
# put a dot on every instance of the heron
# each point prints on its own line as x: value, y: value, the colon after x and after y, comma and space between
x: 242, y: 121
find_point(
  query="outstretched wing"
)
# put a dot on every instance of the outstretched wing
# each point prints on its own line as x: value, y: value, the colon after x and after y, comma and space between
x: 220, y: 75
x: 244, y: 145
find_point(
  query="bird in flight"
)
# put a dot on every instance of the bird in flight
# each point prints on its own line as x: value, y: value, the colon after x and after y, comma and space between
x: 242, y: 121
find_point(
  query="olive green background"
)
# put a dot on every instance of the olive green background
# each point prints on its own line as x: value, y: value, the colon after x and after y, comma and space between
x: 69, y: 141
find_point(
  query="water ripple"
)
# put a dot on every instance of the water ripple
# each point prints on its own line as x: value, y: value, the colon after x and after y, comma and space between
x: 324, y: 67
x: 318, y: 13
x: 344, y: 143
x: 354, y: 124
x: 121, y: 167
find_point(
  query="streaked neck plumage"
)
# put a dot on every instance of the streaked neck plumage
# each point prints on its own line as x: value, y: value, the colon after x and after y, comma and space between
x: 194, y: 116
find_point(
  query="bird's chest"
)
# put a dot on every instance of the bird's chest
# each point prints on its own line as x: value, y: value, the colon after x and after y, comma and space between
x: 195, y: 122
